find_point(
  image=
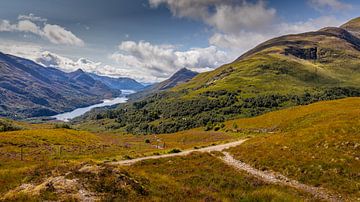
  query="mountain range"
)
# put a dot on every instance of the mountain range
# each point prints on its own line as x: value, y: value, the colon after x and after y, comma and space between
x: 285, y: 71
x: 121, y: 83
x: 28, y: 89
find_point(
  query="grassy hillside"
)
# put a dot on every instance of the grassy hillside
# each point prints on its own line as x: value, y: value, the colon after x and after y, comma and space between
x: 317, y: 144
x: 282, y: 72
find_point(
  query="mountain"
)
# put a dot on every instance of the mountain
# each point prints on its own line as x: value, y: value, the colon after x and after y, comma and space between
x: 285, y: 71
x: 121, y: 83
x: 182, y: 76
x: 28, y: 89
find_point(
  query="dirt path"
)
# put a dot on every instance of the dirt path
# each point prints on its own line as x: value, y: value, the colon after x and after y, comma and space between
x: 266, y: 176
x: 276, y: 178
x: 184, y: 153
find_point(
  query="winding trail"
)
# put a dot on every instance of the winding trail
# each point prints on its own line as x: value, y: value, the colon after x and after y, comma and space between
x: 266, y: 176
x: 220, y: 147
x: 276, y: 178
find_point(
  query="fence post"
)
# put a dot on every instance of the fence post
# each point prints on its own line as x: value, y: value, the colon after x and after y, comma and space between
x: 60, y: 151
x: 21, y: 153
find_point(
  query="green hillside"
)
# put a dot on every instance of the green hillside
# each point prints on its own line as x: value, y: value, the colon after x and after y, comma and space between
x: 316, y: 144
x: 285, y: 71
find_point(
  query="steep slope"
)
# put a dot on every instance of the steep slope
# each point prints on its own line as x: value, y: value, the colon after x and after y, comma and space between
x: 121, y: 83
x: 353, y: 26
x: 181, y: 76
x: 28, y: 89
x: 285, y: 71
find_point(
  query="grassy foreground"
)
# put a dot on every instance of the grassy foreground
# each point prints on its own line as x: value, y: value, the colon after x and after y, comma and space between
x: 317, y: 144
x: 197, y: 177
x: 34, y: 150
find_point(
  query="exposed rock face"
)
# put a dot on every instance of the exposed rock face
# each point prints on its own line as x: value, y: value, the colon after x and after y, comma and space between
x: 302, y: 53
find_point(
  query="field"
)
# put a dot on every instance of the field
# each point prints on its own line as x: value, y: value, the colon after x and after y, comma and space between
x: 317, y: 144
x: 46, y: 146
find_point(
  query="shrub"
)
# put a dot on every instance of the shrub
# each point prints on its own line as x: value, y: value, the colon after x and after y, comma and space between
x: 62, y: 125
x: 235, y: 126
x: 6, y: 125
x: 173, y: 151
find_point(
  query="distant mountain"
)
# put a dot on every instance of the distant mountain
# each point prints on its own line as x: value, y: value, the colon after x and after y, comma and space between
x: 286, y: 71
x: 28, y: 89
x: 181, y: 76
x: 121, y: 83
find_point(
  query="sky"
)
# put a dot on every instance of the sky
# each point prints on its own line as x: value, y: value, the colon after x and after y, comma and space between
x: 149, y: 40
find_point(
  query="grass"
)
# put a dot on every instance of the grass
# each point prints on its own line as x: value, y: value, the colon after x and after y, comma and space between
x: 202, y: 177
x: 299, y: 142
x: 48, y: 146
x: 317, y: 144
x: 197, y: 177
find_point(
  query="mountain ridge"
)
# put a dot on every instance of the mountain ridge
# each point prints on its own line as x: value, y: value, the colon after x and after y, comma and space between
x: 181, y: 76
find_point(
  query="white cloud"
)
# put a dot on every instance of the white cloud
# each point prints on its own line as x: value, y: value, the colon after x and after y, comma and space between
x: 59, y: 35
x: 227, y: 16
x: 5, y: 26
x: 54, y: 33
x: 335, y: 5
x: 32, y: 17
x: 160, y: 61
x: 27, y: 26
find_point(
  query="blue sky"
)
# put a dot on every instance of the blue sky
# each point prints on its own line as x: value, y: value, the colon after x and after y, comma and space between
x: 150, y: 39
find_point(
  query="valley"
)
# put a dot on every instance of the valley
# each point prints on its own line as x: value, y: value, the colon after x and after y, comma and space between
x: 148, y: 122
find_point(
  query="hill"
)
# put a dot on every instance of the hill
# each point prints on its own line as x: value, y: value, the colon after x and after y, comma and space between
x: 316, y: 144
x: 282, y: 72
x: 313, y: 144
x: 28, y: 89
x: 181, y: 76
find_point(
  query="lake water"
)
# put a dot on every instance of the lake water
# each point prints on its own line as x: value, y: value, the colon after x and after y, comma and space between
x: 80, y: 111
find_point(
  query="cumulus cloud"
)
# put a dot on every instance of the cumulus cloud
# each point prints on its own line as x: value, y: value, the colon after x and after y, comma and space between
x: 162, y: 60
x: 59, y: 35
x: 224, y: 15
x: 38, y: 26
x: 335, y: 5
